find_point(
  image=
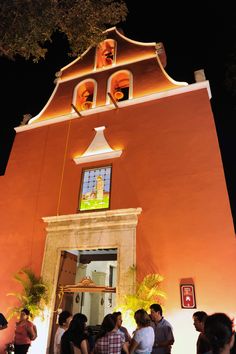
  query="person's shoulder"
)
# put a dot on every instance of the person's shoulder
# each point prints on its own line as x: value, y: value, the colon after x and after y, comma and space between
x: 152, y: 323
x: 139, y: 331
x: 121, y: 332
x: 84, y: 335
x: 147, y: 329
x: 124, y: 329
x: 165, y: 322
x: 60, y: 331
x: 30, y: 324
x: 150, y: 328
x: 65, y: 335
x: 117, y: 334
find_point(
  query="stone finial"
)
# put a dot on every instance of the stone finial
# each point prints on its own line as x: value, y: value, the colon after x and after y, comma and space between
x: 199, y: 75
x: 26, y: 118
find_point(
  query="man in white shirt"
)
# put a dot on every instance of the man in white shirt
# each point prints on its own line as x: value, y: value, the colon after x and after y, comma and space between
x: 64, y: 320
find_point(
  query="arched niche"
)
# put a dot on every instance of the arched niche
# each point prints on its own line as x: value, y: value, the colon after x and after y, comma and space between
x: 105, y: 54
x: 85, y: 95
x: 120, y: 85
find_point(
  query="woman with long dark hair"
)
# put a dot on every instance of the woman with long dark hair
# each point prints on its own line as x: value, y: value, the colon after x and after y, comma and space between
x: 109, y: 340
x: 75, y: 339
x: 218, y: 329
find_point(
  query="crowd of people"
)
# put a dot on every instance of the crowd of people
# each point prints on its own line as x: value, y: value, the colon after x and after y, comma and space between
x: 153, y: 334
x: 217, y: 334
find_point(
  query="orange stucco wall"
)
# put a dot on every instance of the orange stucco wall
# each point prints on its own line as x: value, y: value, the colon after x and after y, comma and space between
x: 170, y: 167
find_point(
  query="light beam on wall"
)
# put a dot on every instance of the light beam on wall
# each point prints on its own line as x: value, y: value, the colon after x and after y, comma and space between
x: 99, y: 149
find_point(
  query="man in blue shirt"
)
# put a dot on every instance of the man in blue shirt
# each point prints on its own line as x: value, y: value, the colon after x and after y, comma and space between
x: 164, y: 337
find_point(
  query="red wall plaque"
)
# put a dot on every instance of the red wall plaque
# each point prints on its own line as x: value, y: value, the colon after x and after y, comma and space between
x: 187, y: 296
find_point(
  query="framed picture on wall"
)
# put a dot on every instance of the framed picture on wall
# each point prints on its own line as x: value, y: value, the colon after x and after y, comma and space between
x: 95, y: 189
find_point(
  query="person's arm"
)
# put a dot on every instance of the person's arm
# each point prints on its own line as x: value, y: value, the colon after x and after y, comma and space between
x: 133, y: 346
x: 58, y: 348
x: 57, y: 343
x: 76, y: 350
x: 169, y: 339
x: 84, y: 347
x: 127, y: 335
x: 125, y: 347
x: 165, y: 343
x: 35, y: 332
x: 30, y: 330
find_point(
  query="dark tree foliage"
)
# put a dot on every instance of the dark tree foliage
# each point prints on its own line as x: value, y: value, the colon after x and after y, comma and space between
x: 26, y: 25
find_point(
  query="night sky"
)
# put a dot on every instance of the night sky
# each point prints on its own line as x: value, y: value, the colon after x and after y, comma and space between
x: 196, y: 35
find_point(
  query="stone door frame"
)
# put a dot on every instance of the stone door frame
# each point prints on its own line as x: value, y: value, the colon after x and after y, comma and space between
x: 92, y: 230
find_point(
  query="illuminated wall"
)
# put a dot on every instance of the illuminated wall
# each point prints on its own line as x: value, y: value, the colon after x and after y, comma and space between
x: 170, y: 167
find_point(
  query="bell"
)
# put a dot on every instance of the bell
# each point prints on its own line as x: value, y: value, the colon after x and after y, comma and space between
x: 86, y: 93
x: 118, y: 95
x: 86, y: 105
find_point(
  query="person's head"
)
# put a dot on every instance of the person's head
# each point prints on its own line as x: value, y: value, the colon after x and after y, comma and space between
x: 78, y: 323
x: 118, y: 318
x: 142, y: 318
x: 24, y: 314
x: 219, y: 331
x: 156, y: 312
x: 64, y: 318
x: 199, y: 318
x: 108, y: 324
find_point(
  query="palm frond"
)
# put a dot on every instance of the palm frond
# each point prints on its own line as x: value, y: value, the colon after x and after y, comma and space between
x: 34, y: 294
x: 148, y: 291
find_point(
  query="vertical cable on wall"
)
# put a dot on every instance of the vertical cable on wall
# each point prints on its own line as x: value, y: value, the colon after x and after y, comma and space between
x: 38, y: 188
x: 63, y: 168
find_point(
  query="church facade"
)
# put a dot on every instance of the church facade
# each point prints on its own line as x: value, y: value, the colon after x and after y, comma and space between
x: 123, y: 157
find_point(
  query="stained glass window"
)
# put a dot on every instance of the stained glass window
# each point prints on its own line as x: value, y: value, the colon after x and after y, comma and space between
x: 95, y: 189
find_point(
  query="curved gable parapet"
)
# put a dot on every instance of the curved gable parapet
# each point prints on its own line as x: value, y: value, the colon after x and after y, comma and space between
x: 127, y: 51
x: 138, y: 68
x: 81, y: 66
